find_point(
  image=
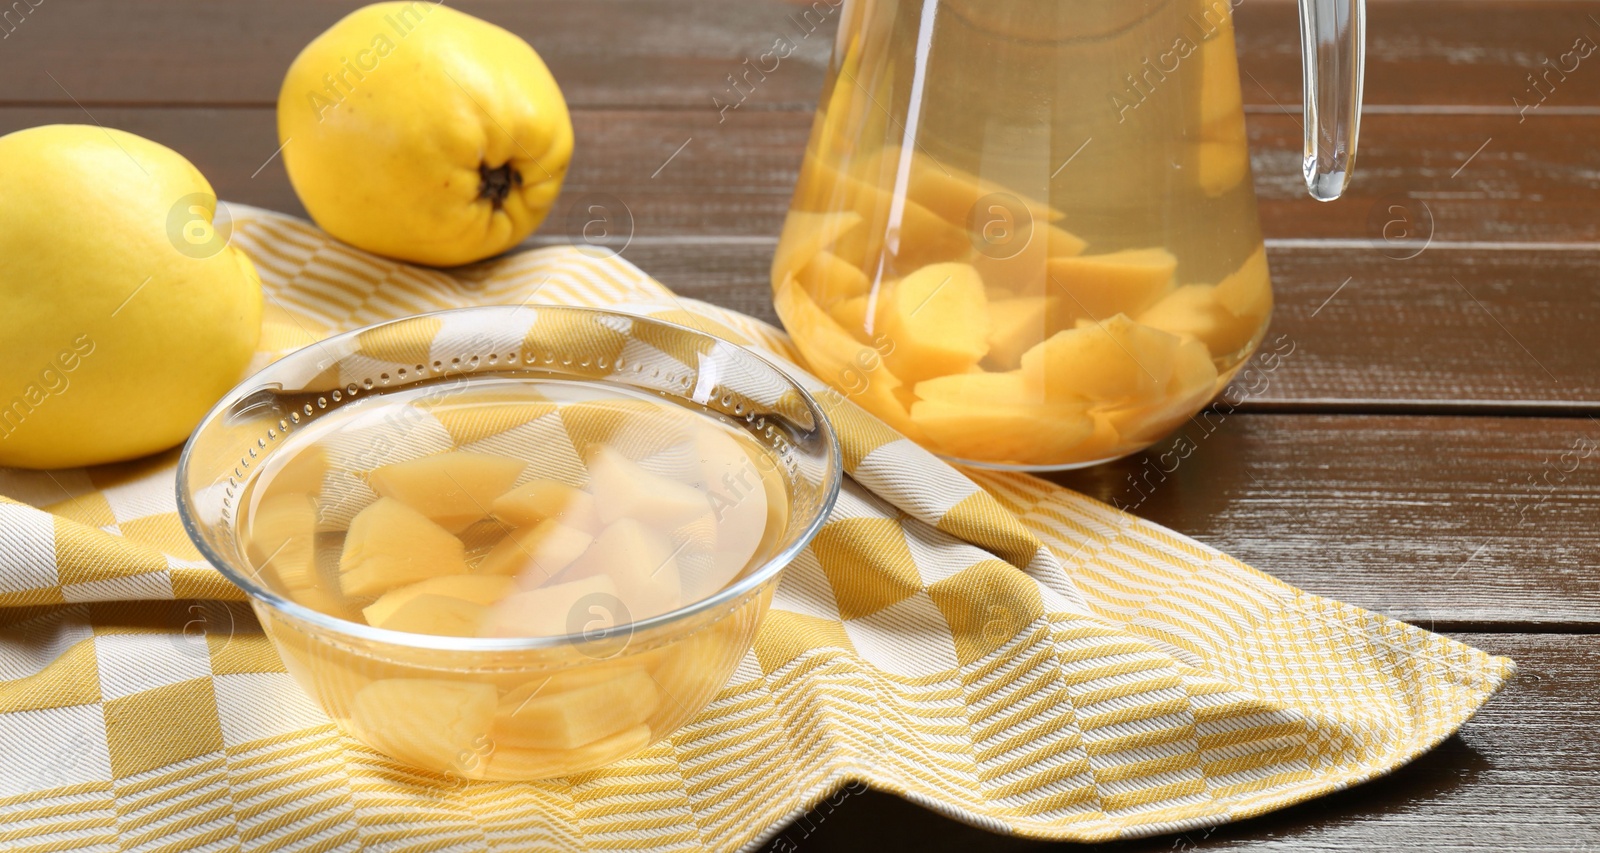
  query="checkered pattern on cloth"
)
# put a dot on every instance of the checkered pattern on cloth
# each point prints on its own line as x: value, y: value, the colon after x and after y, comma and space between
x: 997, y: 648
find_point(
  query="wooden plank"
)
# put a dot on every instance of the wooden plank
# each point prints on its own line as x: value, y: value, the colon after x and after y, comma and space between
x: 1532, y: 183
x: 678, y: 53
x: 1446, y: 522
x: 1522, y: 775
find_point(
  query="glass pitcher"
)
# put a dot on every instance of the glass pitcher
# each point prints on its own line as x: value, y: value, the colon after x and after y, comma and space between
x: 1025, y: 232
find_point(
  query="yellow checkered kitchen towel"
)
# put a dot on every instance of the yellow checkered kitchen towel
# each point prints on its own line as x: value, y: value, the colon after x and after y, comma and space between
x: 1002, y: 650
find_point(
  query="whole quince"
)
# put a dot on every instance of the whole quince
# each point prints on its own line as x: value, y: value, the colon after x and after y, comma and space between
x: 424, y: 134
x: 127, y: 314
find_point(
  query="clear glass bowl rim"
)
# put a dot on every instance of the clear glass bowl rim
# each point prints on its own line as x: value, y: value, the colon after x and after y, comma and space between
x: 732, y: 595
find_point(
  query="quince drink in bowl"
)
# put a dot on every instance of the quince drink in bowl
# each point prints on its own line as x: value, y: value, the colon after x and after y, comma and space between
x: 519, y: 561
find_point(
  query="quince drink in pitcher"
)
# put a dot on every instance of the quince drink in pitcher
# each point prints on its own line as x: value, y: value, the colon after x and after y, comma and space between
x: 1025, y: 233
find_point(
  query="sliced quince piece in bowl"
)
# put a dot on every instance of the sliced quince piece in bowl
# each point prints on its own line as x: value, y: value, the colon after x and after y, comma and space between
x: 390, y: 545
x: 1115, y: 360
x: 1101, y: 286
x: 623, y: 489
x: 937, y: 322
x: 538, y: 500
x: 428, y: 722
x: 642, y: 563
x: 538, y: 553
x: 282, y: 540
x: 743, y: 501
x: 442, y: 615
x: 553, y: 610
x: 481, y: 590
x: 452, y: 489
x: 555, y: 718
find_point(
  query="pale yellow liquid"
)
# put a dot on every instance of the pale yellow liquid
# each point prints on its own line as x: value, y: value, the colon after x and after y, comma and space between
x: 1031, y: 130
x: 628, y: 554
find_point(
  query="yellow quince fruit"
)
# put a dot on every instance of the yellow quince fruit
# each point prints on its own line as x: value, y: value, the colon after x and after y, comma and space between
x: 127, y: 314
x: 418, y: 132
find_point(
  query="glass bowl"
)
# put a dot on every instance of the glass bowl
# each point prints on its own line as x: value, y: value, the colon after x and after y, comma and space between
x: 525, y: 707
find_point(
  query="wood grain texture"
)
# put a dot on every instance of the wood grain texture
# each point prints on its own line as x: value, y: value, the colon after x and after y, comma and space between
x: 1420, y: 177
x: 1523, y: 775
x: 678, y: 53
x: 1445, y: 522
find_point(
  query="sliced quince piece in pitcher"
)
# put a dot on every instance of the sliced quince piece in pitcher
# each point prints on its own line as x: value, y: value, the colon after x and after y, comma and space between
x: 1100, y: 286
x: 481, y: 590
x: 428, y: 722
x: 1221, y: 101
x: 830, y: 278
x: 980, y: 388
x: 937, y: 322
x: 539, y: 552
x: 1222, y: 165
x: 390, y: 545
x: 554, y: 610
x: 282, y: 540
x: 1116, y: 360
x: 1193, y: 383
x: 804, y: 235
x: 1020, y: 271
x: 862, y: 315
x: 452, y: 489
x: 514, y: 763
x: 953, y: 193
x: 623, y: 489
x: 642, y: 562
x: 1029, y: 434
x: 555, y: 718
x: 920, y: 237
x: 840, y: 360
x: 1247, y: 291
x: 1193, y: 311
x: 1018, y: 324
x: 538, y: 500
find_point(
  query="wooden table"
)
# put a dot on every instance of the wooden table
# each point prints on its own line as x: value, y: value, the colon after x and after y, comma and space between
x: 1406, y: 458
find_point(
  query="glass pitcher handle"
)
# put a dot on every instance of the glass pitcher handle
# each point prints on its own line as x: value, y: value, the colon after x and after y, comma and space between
x: 1333, y: 35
